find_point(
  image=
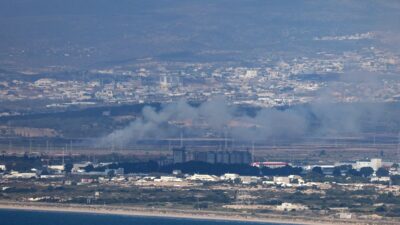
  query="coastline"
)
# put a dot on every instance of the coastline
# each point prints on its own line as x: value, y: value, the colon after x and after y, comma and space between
x: 166, y: 213
x: 144, y: 212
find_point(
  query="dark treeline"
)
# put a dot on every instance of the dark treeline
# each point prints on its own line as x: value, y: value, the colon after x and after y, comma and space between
x: 199, y: 167
x: 93, y: 112
x: 21, y: 164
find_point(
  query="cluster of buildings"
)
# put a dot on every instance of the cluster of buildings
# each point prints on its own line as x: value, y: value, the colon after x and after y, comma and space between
x: 272, y: 82
x: 375, y: 164
x: 181, y: 155
x: 246, y: 188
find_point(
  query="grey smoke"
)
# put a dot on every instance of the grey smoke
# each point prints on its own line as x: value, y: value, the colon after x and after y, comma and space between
x: 216, y: 115
x: 323, y: 117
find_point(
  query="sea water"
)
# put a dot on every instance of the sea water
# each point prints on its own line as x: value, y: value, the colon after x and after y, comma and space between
x: 25, y: 217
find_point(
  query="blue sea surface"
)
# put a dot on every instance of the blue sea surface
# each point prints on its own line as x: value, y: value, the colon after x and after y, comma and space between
x: 24, y: 217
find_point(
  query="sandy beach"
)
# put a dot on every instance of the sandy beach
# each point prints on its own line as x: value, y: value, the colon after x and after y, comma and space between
x: 189, y: 214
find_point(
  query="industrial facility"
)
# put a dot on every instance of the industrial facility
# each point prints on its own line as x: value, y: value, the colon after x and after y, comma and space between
x: 181, y: 155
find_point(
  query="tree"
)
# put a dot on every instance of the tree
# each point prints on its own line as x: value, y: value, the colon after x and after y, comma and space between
x: 202, y: 205
x: 44, y: 172
x: 395, y: 179
x: 337, y: 172
x: 111, y: 173
x: 380, y: 209
x: 89, y: 168
x: 317, y: 170
x: 68, y: 167
x: 354, y: 173
x: 382, y: 172
x: 366, y: 171
x: 315, y: 174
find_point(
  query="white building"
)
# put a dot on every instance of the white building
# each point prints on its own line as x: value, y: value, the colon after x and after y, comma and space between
x: 380, y: 179
x: 176, y: 172
x: 249, y: 179
x: 58, y: 168
x: 250, y: 74
x: 291, y: 207
x: 375, y: 164
x: 51, y: 176
x: 78, y: 167
x: 270, y: 164
x: 282, y: 180
x: 294, y: 178
x: 360, y: 164
x: 168, y: 179
x: 229, y: 177
x: 3, y: 167
x: 203, y: 177
x: 17, y: 175
x: 344, y: 215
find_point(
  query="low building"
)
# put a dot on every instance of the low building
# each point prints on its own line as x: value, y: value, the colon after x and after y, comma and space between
x: 17, y: 175
x: 291, y: 207
x: 270, y: 164
x: 250, y: 179
x: 116, y: 172
x: 52, y: 176
x: 361, y: 163
x: 168, y: 179
x: 230, y: 177
x: 97, y: 194
x: 79, y: 167
x: 345, y: 216
x: 374, y: 163
x: 56, y: 168
x: 203, y: 177
x: 87, y: 181
x: 380, y: 179
x: 281, y: 180
x: 296, y: 179
x: 118, y: 179
x: 176, y: 172
x: 327, y: 169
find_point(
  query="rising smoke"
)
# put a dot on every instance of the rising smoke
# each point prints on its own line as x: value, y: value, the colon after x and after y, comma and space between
x: 215, y: 115
x: 321, y: 118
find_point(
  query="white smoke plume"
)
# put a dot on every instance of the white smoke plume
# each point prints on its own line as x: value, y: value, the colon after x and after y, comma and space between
x: 216, y: 115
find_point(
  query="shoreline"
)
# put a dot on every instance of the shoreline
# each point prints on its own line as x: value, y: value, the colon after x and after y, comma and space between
x: 166, y: 213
